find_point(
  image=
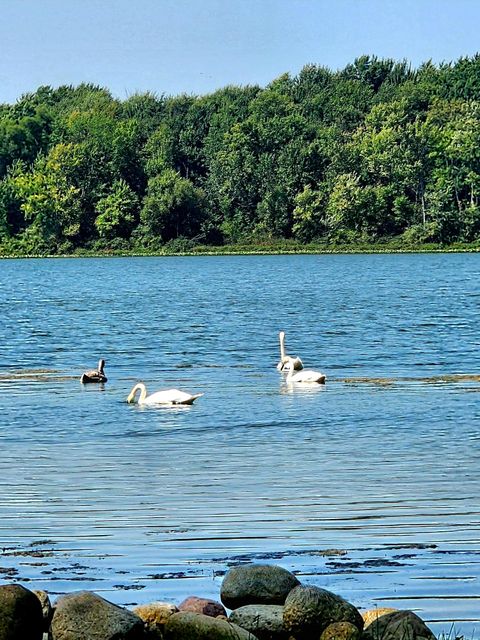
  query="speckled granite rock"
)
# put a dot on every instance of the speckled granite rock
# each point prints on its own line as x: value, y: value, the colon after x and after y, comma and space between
x: 265, y: 621
x: 187, y: 625
x: 84, y: 614
x: 309, y: 610
x: 399, y: 625
x: 21, y: 616
x: 155, y: 615
x: 256, y: 584
x: 341, y: 631
x: 372, y: 614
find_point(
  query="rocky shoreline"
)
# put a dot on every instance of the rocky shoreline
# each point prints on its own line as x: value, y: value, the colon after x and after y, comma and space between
x: 257, y: 602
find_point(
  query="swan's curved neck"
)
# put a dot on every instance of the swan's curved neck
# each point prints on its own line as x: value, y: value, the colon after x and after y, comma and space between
x: 143, y: 392
x: 281, y: 336
x: 101, y: 364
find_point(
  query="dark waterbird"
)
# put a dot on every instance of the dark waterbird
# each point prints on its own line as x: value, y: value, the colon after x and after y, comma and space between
x: 94, y: 375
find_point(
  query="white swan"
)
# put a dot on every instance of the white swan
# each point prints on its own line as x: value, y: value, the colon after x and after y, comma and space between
x: 94, y: 375
x: 167, y: 396
x: 306, y: 375
x: 284, y: 359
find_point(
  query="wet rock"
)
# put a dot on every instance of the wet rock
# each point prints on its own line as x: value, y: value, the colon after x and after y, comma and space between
x: 309, y: 610
x: 203, y: 605
x: 398, y: 625
x: 372, y: 614
x: 84, y: 615
x: 155, y: 615
x: 341, y: 631
x: 265, y: 621
x: 256, y: 584
x: 21, y: 615
x: 187, y: 625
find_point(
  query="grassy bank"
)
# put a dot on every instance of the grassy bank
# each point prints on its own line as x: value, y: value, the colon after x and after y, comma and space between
x: 284, y: 247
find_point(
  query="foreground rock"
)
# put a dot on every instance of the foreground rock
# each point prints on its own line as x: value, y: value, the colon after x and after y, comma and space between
x: 399, y: 625
x: 309, y: 610
x: 21, y: 616
x: 341, y: 631
x: 202, y: 605
x: 83, y: 615
x: 47, y: 610
x: 187, y: 625
x: 372, y: 614
x: 155, y: 616
x: 265, y: 621
x: 267, y: 602
x: 256, y: 584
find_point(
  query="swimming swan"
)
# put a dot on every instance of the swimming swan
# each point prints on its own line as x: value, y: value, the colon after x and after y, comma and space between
x: 307, y: 375
x: 284, y: 359
x: 94, y: 375
x: 168, y: 396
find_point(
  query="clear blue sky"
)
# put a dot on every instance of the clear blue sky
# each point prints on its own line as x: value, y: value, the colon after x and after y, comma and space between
x: 197, y: 46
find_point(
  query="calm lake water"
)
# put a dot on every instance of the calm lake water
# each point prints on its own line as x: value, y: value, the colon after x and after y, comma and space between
x: 380, y: 465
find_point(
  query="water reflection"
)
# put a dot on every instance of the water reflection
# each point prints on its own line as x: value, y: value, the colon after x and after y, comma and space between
x: 299, y: 388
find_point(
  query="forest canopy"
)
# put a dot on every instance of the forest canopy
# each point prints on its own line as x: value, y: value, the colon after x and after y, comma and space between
x: 375, y: 151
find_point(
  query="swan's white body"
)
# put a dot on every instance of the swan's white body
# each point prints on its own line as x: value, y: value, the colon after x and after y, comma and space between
x: 304, y: 376
x: 94, y: 375
x: 168, y: 396
x: 284, y: 359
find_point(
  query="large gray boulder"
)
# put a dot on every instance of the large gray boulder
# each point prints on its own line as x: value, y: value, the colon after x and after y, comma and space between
x: 21, y: 616
x: 399, y: 625
x: 309, y: 610
x: 85, y: 615
x: 256, y: 584
x: 265, y: 621
x: 186, y: 625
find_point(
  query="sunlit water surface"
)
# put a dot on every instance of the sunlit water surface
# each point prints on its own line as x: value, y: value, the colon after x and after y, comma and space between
x: 368, y: 486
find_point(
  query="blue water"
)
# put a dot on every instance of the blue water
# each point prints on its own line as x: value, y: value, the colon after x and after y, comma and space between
x: 381, y: 464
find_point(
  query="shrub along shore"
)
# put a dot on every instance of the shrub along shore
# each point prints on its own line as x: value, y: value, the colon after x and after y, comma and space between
x: 266, y: 602
x: 264, y: 248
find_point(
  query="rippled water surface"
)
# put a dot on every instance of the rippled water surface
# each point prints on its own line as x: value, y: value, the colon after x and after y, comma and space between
x: 368, y: 486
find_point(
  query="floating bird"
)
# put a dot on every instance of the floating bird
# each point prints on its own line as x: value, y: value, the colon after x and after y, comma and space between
x: 306, y: 375
x: 167, y: 396
x: 284, y: 359
x: 95, y: 375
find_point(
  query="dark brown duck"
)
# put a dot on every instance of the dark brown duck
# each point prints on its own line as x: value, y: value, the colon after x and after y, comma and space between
x: 94, y: 375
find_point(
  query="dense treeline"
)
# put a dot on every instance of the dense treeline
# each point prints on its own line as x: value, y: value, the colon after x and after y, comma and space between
x: 377, y: 150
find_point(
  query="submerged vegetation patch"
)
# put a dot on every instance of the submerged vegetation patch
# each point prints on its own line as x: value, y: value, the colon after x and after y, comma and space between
x: 438, y: 379
x: 36, y: 375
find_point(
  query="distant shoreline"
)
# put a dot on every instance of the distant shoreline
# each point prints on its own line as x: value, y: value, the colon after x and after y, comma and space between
x: 244, y: 250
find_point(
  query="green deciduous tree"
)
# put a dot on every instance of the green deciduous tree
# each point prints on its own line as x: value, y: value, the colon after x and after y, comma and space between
x: 117, y: 212
x: 172, y: 207
x: 309, y: 214
x: 374, y: 150
x: 50, y: 205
